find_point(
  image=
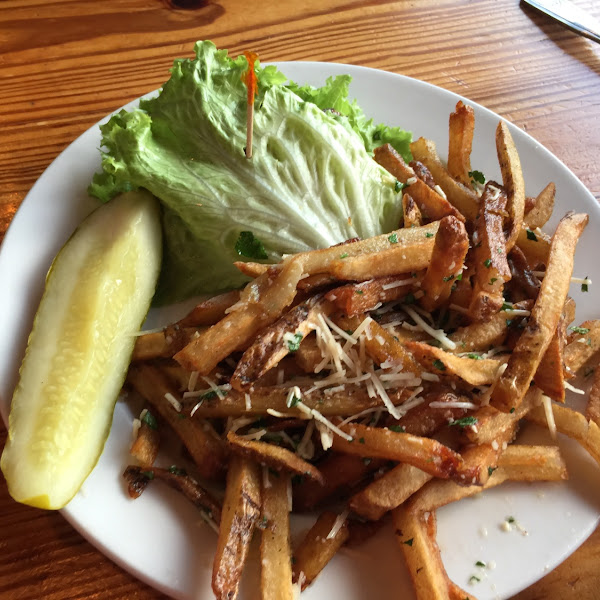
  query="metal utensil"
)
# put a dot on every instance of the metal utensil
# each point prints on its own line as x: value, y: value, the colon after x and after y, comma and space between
x: 571, y: 16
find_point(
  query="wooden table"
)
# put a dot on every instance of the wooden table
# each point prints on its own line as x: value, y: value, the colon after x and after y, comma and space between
x: 65, y: 64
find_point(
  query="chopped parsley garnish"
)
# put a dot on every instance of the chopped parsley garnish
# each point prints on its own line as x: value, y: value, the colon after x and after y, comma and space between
x: 150, y: 420
x: 399, y: 186
x: 449, y: 278
x: 249, y: 246
x: 438, y: 364
x: 531, y: 235
x: 148, y: 475
x: 262, y: 524
x: 580, y: 330
x: 493, y: 280
x: 459, y: 277
x: 293, y: 401
x: 176, y: 470
x: 477, y: 176
x: 409, y: 542
x: 294, y: 344
x: 397, y: 428
x: 473, y: 356
x: 429, y: 234
x: 212, y: 394
x: 510, y: 520
x: 474, y: 579
x: 344, y: 255
x: 361, y: 440
x: 490, y: 471
x: 506, y: 306
x: 480, y: 563
x: 487, y: 263
x: 359, y: 292
x: 464, y: 422
x: 393, y: 239
x: 512, y: 410
x: 584, y: 286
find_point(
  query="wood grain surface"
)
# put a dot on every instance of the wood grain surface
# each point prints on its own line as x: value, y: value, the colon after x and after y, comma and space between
x: 64, y: 64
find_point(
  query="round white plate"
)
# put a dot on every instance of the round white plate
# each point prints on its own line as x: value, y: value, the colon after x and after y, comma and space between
x: 160, y: 538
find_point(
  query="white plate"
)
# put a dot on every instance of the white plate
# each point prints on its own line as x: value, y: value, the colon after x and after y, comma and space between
x: 159, y: 538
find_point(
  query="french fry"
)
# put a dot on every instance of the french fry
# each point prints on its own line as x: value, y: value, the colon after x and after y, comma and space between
x: 432, y: 205
x: 357, y: 298
x: 582, y: 345
x: 542, y: 210
x: 549, y: 376
x: 207, y: 450
x: 475, y: 371
x: 482, y: 336
x: 449, y: 251
x: 411, y: 212
x: 251, y: 269
x: 277, y: 341
x: 460, y: 196
x: 318, y: 547
x: 392, y: 162
x: 138, y: 477
x: 275, y: 551
x: 572, y: 424
x: 275, y: 457
x: 460, y: 141
x: 425, y: 453
x: 264, y: 302
x: 533, y: 342
x: 209, y: 311
x: 512, y: 179
x: 524, y: 285
x: 535, y: 245
x: 592, y: 409
x: 146, y: 444
x: 241, y: 513
x: 415, y: 534
x: 489, y: 255
x: 162, y: 344
x: 392, y: 261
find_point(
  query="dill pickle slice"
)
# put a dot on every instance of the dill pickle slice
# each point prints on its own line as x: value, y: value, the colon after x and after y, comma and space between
x: 97, y: 294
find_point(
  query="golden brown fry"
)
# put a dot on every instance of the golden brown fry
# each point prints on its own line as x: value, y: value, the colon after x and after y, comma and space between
x: 416, y: 536
x: 426, y: 453
x: 277, y: 341
x: 541, y: 212
x: 251, y: 269
x: 512, y: 179
x: 341, y: 474
x: 206, y: 449
x: 261, y: 303
x: 449, y: 251
x: 392, y: 261
x: 460, y: 142
x: 482, y: 371
x: 317, y: 548
x: 275, y: 457
x: 582, y: 345
x: 460, y: 196
x: 209, y: 311
x: 411, y: 212
x: 146, y: 444
x: 162, y: 344
x: 432, y: 205
x: 572, y: 424
x: 393, y: 162
x: 358, y: 298
x: 533, y: 342
x: 489, y: 256
x: 241, y: 512
x: 524, y: 285
x: 549, y: 376
x: 275, y: 551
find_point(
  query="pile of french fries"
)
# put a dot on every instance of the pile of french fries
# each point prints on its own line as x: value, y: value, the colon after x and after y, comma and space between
x: 386, y: 375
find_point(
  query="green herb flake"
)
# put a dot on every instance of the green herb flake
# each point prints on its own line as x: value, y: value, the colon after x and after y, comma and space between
x: 393, y: 239
x: 487, y: 263
x: 507, y: 306
x: 512, y: 410
x: 473, y: 356
x: 531, y: 235
x: 249, y: 246
x: 449, y: 278
x: 438, y: 364
x: 511, y: 520
x: 493, y: 280
x: 399, y: 186
x: 480, y: 563
x: 293, y: 401
x: 176, y: 470
x: 409, y: 542
x: 429, y: 234
x: 344, y: 255
x: 474, y: 579
x: 459, y: 277
x: 148, y: 475
x: 361, y: 440
x: 150, y: 420
x: 397, y: 428
x: 580, y: 330
x: 294, y: 343
x: 490, y: 471
x: 464, y: 422
x: 477, y: 176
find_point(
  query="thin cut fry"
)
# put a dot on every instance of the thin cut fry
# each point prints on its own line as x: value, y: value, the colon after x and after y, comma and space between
x: 549, y: 376
x: 318, y: 547
x: 275, y: 457
x: 592, y: 410
x: 449, y: 251
x: 162, y: 344
x: 146, y: 444
x: 535, y: 245
x: 460, y: 141
x: 541, y: 212
x: 241, y: 512
x: 583, y: 344
x: 275, y: 551
x: 533, y: 342
x: 411, y: 212
x: 209, y: 311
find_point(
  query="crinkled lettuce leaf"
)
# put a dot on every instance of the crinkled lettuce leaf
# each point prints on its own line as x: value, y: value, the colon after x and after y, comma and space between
x: 310, y: 183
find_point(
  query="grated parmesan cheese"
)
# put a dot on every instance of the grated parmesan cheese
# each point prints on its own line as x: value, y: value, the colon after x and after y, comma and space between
x: 337, y: 524
x: 437, y: 334
x: 173, y: 401
x: 547, y: 404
